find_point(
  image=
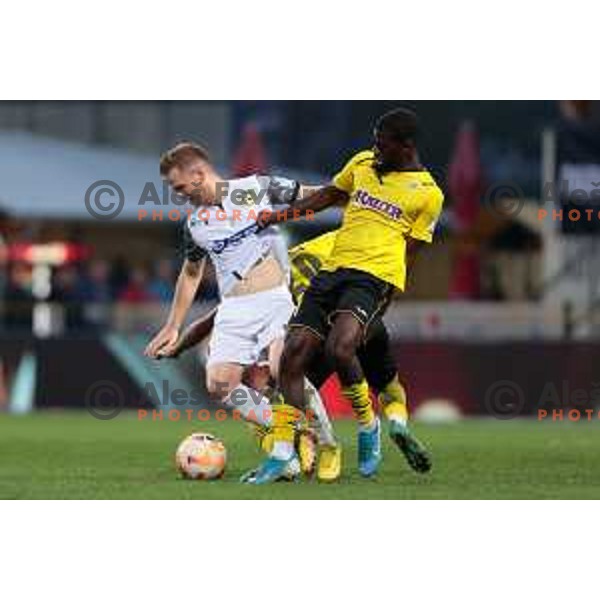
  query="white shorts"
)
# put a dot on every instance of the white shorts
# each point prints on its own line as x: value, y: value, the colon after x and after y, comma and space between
x: 245, y: 325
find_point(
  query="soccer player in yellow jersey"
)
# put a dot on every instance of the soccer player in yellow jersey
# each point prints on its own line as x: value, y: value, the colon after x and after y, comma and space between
x: 391, y: 205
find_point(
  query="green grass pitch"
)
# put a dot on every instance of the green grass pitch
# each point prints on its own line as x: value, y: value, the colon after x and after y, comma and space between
x: 72, y: 455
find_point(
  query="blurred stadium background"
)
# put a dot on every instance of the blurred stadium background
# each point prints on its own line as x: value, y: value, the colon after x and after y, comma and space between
x: 502, y: 295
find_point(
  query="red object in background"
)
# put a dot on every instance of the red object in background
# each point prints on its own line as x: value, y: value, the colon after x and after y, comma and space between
x: 338, y: 407
x: 56, y: 253
x: 134, y: 293
x: 250, y: 157
x: 465, y: 177
x: 465, y: 278
x: 465, y: 184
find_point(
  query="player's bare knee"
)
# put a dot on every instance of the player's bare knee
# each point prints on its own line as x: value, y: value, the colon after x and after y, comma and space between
x: 341, y: 348
x: 293, y: 346
x: 295, y: 355
x: 220, y: 383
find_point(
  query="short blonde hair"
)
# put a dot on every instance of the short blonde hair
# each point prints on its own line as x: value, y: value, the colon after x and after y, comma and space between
x: 182, y: 154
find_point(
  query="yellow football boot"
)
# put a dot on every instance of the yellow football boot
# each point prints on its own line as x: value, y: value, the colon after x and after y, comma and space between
x: 330, y: 464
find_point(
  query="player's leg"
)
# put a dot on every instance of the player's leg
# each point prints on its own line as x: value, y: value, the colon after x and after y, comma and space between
x: 232, y: 347
x: 342, y: 344
x: 287, y: 416
x: 378, y: 364
x: 305, y: 440
x: 379, y: 367
x: 303, y: 341
x: 329, y: 451
x: 329, y: 463
x: 317, y: 414
x: 258, y: 377
x: 224, y: 384
x: 234, y: 344
x: 320, y: 369
x: 317, y: 373
x: 363, y: 298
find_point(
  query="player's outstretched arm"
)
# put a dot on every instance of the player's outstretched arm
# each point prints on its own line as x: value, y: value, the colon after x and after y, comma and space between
x: 185, y: 290
x: 318, y: 199
x: 192, y: 335
x: 309, y: 204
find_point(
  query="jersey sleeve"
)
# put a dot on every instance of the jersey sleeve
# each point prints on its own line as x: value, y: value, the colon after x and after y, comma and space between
x: 281, y: 190
x: 344, y: 180
x: 190, y: 250
x: 426, y: 220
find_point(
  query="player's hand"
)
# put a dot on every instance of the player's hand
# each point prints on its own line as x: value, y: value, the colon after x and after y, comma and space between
x: 171, y: 351
x: 163, y: 343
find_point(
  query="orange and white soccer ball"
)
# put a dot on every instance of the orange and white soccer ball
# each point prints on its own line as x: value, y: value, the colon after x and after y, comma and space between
x: 201, y: 456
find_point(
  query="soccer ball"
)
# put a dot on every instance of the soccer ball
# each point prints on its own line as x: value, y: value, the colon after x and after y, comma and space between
x: 201, y: 456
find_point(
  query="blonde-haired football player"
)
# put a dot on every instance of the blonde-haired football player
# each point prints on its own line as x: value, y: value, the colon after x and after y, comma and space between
x: 255, y: 302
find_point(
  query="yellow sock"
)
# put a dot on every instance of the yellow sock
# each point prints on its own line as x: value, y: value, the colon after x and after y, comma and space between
x: 285, y: 417
x: 263, y: 436
x: 393, y: 401
x: 358, y: 394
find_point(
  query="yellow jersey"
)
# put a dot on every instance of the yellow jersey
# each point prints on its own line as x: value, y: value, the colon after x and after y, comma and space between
x: 379, y: 217
x: 306, y: 260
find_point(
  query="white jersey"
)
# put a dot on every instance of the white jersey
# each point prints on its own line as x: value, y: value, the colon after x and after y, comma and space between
x: 229, y: 232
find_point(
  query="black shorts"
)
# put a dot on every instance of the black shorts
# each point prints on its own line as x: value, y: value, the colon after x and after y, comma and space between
x: 375, y: 357
x: 342, y: 290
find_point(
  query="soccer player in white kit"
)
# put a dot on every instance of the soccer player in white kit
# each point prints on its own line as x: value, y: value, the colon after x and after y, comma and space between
x: 256, y: 304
